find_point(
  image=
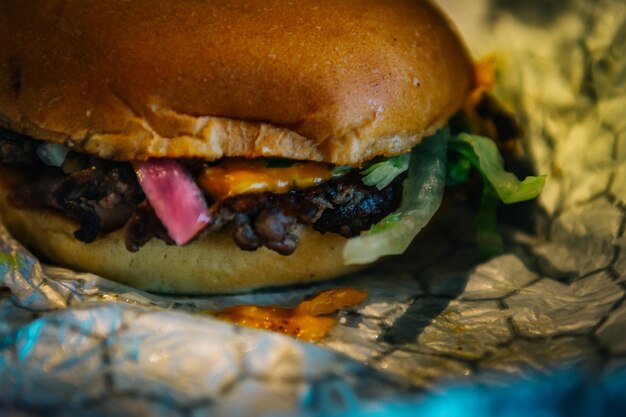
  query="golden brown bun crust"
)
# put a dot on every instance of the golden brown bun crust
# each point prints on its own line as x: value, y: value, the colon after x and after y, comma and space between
x: 340, y: 81
x: 213, y: 264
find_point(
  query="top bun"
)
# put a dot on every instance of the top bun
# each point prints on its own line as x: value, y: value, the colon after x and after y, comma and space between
x: 339, y: 81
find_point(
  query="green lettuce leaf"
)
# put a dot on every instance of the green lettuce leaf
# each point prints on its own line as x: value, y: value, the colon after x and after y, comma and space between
x: 484, y: 155
x: 458, y: 170
x: 423, y: 193
x: 499, y: 185
x: 488, y: 235
x: 341, y: 170
x: 383, y: 173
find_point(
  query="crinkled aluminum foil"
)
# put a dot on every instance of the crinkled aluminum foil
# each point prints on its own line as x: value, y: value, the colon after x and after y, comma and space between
x: 76, y: 343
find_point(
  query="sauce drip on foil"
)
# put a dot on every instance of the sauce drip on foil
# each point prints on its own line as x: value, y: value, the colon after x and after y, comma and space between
x: 308, y: 321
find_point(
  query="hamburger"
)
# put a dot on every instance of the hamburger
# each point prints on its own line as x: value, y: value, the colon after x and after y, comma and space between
x: 201, y: 147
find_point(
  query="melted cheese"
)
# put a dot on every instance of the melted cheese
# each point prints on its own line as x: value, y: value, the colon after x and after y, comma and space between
x: 307, y: 321
x: 239, y: 176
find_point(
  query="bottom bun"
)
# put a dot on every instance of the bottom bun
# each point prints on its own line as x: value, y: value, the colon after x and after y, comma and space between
x: 213, y: 264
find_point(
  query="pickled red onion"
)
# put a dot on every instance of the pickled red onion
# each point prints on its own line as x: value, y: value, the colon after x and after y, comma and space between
x: 175, y: 197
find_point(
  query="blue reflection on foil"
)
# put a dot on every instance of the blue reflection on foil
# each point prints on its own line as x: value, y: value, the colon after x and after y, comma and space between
x: 27, y: 339
x: 567, y: 394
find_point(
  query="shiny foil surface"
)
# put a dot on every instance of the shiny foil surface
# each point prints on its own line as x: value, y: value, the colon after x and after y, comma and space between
x: 78, y: 344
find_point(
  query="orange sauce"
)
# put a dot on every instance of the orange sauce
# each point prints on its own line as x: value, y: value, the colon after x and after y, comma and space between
x: 238, y: 176
x: 484, y: 79
x: 308, y: 321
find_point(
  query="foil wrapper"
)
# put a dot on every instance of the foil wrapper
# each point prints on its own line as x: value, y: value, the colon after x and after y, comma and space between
x: 79, y: 344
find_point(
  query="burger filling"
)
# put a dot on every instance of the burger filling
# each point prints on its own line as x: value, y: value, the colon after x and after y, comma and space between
x: 380, y: 206
x: 259, y: 202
